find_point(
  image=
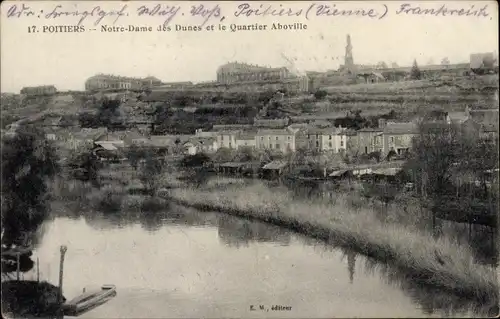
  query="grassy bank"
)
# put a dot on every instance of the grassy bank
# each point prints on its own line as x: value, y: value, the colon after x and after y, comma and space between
x: 110, y: 198
x: 439, y: 263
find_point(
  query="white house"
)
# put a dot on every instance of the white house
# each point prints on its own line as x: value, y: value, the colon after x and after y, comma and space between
x: 201, y: 145
x: 276, y: 139
x: 329, y: 139
x: 227, y: 139
x: 246, y: 139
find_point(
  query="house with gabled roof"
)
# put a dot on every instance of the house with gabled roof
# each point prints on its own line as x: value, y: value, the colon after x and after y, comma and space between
x: 327, y: 139
x: 246, y: 139
x: 456, y: 117
x: 276, y: 139
x: 484, y: 121
x: 201, y: 145
x: 488, y: 121
x: 227, y: 138
x: 398, y: 137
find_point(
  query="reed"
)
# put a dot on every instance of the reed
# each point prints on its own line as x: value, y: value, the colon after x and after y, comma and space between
x: 436, y: 262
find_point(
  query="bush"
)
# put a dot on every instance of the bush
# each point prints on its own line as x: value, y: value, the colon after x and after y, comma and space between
x: 195, y: 160
x: 320, y: 94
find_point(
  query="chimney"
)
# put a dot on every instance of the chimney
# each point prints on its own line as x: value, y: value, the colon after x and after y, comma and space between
x: 381, y: 123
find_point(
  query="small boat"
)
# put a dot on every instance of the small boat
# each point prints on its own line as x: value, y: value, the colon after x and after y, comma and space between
x: 89, y: 300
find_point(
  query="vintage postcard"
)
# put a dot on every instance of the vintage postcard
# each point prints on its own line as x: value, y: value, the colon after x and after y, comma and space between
x: 232, y: 159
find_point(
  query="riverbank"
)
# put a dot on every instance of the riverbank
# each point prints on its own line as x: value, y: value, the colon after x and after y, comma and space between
x: 435, y: 262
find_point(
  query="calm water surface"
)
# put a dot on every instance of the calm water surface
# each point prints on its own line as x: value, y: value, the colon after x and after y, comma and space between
x: 186, y: 264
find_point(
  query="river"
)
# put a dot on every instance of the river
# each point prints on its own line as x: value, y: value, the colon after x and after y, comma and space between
x: 183, y: 263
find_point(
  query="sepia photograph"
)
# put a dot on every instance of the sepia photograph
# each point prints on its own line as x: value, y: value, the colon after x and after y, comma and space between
x: 259, y: 159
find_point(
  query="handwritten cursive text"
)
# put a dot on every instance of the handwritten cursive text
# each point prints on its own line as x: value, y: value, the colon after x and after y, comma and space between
x: 207, y: 13
x: 212, y: 12
x: 443, y: 11
x: 97, y: 12
x: 314, y: 9
x: 169, y: 12
x: 245, y: 9
x: 15, y: 12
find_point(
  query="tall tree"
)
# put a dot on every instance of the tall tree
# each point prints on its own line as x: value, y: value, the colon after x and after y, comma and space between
x: 151, y: 171
x: 415, y: 73
x: 29, y: 161
x: 108, y: 113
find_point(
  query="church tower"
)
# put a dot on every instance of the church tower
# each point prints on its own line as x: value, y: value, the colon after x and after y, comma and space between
x: 349, y: 61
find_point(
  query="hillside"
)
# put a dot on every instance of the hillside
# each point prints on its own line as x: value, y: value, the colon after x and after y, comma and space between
x: 175, y: 109
x: 408, y: 99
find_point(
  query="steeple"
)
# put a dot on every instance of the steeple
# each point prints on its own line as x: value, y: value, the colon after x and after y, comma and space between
x: 349, y: 61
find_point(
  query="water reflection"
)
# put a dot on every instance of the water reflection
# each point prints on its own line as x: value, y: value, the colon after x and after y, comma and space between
x: 239, y: 233
x: 432, y: 301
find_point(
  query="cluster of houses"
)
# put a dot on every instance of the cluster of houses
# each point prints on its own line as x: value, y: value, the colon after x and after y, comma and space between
x: 279, y: 135
x: 323, y: 137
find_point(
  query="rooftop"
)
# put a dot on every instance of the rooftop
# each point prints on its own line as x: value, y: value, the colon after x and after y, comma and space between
x: 371, y: 129
x: 274, y: 132
x: 230, y: 126
x: 275, y: 165
x: 401, y: 128
x: 458, y: 116
x: 247, y: 135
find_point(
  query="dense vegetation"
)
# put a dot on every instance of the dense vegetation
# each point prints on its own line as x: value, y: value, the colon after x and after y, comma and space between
x: 29, y: 162
x: 456, y: 172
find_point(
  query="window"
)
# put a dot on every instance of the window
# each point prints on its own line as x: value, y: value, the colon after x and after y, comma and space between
x: 330, y: 145
x: 341, y: 143
x: 276, y: 138
x: 289, y: 138
x: 262, y: 138
x: 317, y: 136
x: 277, y: 146
x: 330, y: 137
x: 392, y: 139
x: 317, y: 143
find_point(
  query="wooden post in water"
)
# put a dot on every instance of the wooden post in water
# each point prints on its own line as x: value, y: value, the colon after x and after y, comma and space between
x: 37, y: 269
x: 18, y: 265
x: 63, y: 250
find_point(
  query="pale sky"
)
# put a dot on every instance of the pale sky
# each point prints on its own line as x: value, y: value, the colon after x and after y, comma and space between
x: 66, y: 60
